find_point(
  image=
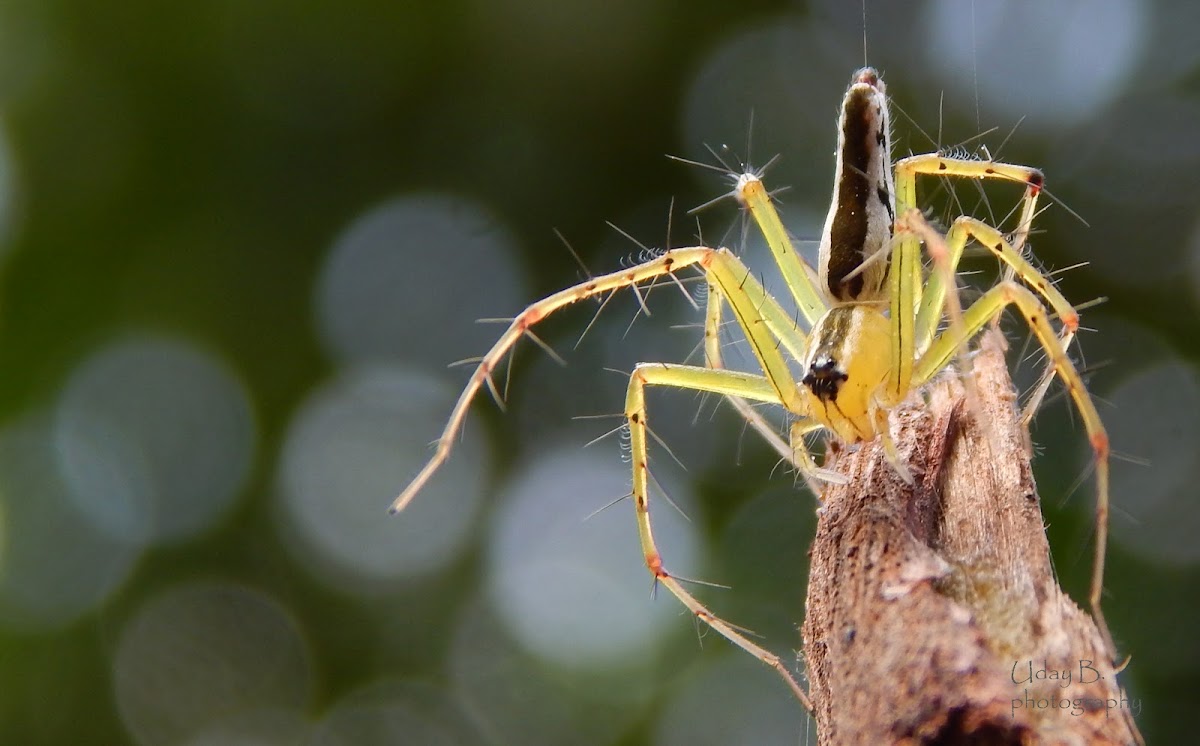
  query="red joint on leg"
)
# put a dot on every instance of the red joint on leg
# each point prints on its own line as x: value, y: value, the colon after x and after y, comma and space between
x: 655, y: 563
x: 1071, y: 322
x: 529, y: 318
x: 1036, y: 180
x: 1100, y: 445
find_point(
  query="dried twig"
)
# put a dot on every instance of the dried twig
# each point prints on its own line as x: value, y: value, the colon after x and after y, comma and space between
x: 930, y: 605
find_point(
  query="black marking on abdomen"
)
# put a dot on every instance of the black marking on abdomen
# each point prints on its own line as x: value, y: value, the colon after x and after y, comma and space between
x: 886, y: 200
x: 848, y: 233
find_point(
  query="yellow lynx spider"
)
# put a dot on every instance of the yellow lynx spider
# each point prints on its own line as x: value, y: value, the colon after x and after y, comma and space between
x: 873, y: 313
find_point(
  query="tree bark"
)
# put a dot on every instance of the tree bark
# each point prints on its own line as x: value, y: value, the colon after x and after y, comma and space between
x: 933, y: 613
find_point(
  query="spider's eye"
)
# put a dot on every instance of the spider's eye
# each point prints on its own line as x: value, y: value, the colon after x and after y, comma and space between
x: 824, y: 377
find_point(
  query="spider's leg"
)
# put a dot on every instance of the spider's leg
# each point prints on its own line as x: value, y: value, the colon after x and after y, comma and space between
x: 765, y: 325
x: 791, y: 338
x: 797, y: 275
x: 796, y: 432
x: 766, y: 329
x: 669, y: 263
x: 904, y: 289
x: 988, y: 307
x: 950, y: 249
x: 1038, y: 393
x: 933, y: 164
x: 728, y: 383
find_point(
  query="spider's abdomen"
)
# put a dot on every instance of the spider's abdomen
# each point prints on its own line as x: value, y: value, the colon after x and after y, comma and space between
x: 847, y: 362
x: 858, y: 228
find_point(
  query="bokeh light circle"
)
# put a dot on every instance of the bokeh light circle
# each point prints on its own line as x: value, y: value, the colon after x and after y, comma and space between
x: 769, y: 89
x: 55, y: 563
x: 8, y: 191
x: 203, y: 653
x: 412, y: 265
x: 1043, y: 45
x: 265, y: 727
x: 514, y: 697
x: 351, y: 447
x: 395, y: 711
x: 572, y: 586
x: 1153, y: 418
x: 734, y: 700
x: 155, y: 438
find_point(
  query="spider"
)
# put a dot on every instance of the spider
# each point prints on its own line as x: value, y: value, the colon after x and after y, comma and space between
x: 874, y: 317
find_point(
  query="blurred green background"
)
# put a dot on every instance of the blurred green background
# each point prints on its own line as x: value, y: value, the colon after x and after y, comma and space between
x: 241, y: 240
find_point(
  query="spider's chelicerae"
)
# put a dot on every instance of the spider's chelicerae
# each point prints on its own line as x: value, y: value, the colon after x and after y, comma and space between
x: 873, y: 315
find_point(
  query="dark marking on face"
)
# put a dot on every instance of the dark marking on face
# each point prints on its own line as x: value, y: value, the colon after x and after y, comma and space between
x: 824, y: 378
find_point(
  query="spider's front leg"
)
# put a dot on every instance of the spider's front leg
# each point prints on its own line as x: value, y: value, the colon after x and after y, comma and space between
x: 667, y: 264
x: 725, y: 382
x: 766, y: 329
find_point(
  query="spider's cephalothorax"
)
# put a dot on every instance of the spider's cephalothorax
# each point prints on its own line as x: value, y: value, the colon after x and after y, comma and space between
x: 847, y: 363
x: 873, y: 315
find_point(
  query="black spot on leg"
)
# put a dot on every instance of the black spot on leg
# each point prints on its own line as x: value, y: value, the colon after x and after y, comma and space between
x: 634, y: 418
